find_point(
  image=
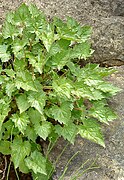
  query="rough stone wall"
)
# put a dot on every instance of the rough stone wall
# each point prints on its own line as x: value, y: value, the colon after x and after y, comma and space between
x: 105, y: 16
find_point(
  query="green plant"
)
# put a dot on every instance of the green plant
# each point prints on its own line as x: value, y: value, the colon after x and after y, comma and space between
x: 44, y: 90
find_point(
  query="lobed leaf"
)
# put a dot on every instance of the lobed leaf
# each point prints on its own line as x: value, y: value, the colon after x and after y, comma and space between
x: 36, y: 162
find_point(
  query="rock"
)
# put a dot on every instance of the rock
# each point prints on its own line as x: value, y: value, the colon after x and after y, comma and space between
x: 105, y: 16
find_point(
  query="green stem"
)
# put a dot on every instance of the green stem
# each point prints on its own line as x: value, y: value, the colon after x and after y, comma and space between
x: 51, y: 172
x: 8, y: 171
x: 66, y: 167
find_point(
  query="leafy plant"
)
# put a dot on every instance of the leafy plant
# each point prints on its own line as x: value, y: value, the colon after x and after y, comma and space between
x: 44, y: 91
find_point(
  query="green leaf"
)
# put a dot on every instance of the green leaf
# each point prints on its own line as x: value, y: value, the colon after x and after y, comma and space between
x: 81, y: 51
x: 25, y: 81
x: 9, y: 30
x: 49, y: 170
x: 21, y: 121
x: 37, y: 100
x: 48, y: 36
x: 30, y: 133
x: 4, y: 55
x: 43, y: 130
x: 5, y: 147
x: 59, y: 60
x: 62, y: 87
x: 108, y: 88
x: 23, y: 168
x: 35, y: 116
x: 84, y: 91
x: 91, y: 131
x: 19, y: 44
x: 68, y: 132
x: 22, y: 103
x: 20, y: 149
x: 22, y: 16
x: 36, y: 162
x: 4, y: 110
x: 102, y: 112
x: 61, y: 113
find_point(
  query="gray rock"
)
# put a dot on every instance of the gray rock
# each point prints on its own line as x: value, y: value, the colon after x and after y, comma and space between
x: 105, y: 16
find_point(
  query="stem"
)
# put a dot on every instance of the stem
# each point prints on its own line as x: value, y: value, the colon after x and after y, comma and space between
x: 47, y: 87
x: 16, y: 174
x: 51, y: 172
x: 7, y: 176
x: 89, y: 168
x: 66, y: 167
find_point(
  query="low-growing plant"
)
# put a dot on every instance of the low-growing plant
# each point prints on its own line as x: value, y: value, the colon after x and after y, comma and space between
x: 45, y: 92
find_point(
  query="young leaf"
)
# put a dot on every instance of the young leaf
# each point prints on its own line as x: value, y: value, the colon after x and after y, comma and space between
x: 9, y: 30
x: 91, y: 131
x: 37, y: 100
x: 4, y: 110
x: 43, y: 130
x: 20, y: 149
x: 25, y: 81
x: 102, y: 112
x: 36, y: 162
x: 21, y: 121
x: 68, y: 132
x: 22, y: 103
x: 4, y: 55
x: 62, y: 113
x: 5, y: 147
x: 49, y: 170
x: 30, y: 133
x: 62, y: 87
x: 35, y: 116
x: 22, y: 16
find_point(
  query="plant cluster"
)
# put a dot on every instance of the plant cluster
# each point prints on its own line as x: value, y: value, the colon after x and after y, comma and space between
x: 44, y: 91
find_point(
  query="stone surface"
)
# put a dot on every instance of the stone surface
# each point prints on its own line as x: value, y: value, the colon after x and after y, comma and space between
x: 105, y: 16
x: 110, y: 160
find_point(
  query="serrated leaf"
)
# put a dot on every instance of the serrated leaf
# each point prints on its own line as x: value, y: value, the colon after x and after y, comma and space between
x: 47, y: 36
x: 21, y: 121
x: 4, y: 55
x: 30, y: 133
x: 20, y: 149
x: 62, y: 87
x: 25, y: 81
x: 60, y: 59
x: 37, y: 100
x: 40, y: 176
x: 81, y: 51
x: 4, y: 110
x: 22, y: 15
x: 36, y: 162
x: 23, y: 168
x: 61, y: 113
x: 35, y: 116
x: 67, y: 132
x: 43, y: 129
x: 34, y: 10
x: 108, y: 88
x: 19, y: 44
x: 36, y: 61
x: 22, y: 103
x: 10, y: 88
x: 9, y: 30
x: 102, y: 112
x: 91, y: 131
x: 84, y: 91
x: 5, y: 147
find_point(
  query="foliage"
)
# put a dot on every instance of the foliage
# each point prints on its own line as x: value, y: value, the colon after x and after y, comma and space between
x: 44, y: 92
